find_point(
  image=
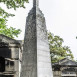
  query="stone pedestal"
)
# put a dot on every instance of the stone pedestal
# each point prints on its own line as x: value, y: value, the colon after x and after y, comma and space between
x: 36, y: 60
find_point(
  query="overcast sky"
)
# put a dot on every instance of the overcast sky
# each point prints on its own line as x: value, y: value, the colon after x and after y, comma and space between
x: 61, y: 19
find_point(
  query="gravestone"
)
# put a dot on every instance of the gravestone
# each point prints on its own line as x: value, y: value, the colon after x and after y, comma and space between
x: 36, y: 60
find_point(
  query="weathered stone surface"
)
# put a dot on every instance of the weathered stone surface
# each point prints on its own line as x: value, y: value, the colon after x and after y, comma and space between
x: 43, y: 55
x: 36, y: 3
x: 8, y: 40
x: 36, y: 56
x: 10, y: 50
x: 65, y: 68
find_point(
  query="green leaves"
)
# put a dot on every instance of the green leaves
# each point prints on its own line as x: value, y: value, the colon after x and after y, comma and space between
x: 4, y: 14
x: 14, y: 3
x: 58, y: 51
x: 10, y: 32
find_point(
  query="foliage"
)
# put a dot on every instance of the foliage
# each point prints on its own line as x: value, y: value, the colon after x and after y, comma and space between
x: 4, y: 14
x: 58, y: 51
x: 14, y: 3
x: 10, y: 32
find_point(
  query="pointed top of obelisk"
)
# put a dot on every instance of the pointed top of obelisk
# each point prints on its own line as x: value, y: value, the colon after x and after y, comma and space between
x: 35, y: 3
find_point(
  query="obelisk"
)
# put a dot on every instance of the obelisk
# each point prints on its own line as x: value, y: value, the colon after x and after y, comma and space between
x: 36, y: 60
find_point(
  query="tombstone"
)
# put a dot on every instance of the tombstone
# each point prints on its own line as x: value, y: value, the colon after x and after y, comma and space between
x: 65, y: 68
x: 36, y: 60
x: 10, y: 50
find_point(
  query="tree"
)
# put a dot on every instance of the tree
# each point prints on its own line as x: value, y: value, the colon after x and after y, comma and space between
x: 10, y: 32
x: 58, y: 51
x: 14, y: 3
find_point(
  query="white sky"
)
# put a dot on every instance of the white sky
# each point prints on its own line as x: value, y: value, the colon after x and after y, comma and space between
x: 61, y: 19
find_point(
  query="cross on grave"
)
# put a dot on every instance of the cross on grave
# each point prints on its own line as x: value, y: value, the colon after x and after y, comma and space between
x: 36, y: 3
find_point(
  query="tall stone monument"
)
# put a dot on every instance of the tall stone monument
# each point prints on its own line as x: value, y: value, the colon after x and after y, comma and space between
x: 36, y: 60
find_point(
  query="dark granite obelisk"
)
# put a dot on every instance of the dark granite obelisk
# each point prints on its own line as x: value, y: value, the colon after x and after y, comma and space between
x: 36, y: 60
